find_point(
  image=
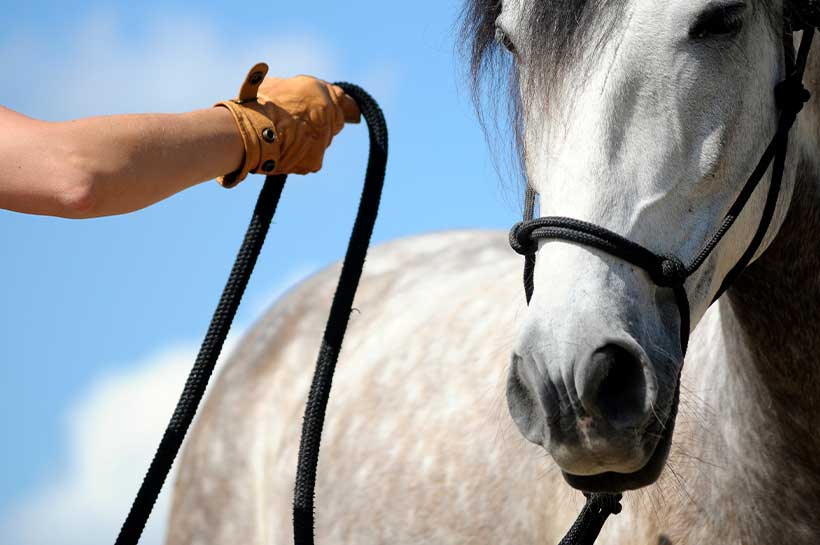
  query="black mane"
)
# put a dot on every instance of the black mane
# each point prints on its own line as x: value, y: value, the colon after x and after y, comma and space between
x: 556, y: 35
x: 555, y: 31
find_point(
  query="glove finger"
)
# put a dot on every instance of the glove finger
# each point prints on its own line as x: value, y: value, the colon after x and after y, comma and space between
x: 323, y: 116
x: 336, y: 94
x: 313, y: 157
x: 297, y: 156
x: 350, y: 108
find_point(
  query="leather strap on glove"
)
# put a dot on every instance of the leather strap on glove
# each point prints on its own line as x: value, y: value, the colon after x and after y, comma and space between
x: 286, y: 124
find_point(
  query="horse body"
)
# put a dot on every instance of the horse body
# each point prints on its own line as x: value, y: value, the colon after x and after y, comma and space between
x: 419, y: 446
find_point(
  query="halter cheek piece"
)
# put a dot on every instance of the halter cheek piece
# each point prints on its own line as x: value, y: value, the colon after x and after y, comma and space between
x: 669, y: 271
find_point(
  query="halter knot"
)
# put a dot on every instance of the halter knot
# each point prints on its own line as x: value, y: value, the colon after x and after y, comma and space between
x: 791, y: 95
x: 521, y: 239
x: 671, y: 273
x: 605, y: 504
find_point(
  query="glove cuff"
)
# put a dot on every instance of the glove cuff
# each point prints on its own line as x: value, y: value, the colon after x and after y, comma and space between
x: 259, y: 136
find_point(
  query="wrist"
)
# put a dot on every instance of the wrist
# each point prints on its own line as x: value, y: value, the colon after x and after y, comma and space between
x: 227, y: 133
x: 256, y: 127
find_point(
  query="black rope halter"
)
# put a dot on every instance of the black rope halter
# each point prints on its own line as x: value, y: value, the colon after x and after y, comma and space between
x: 670, y: 271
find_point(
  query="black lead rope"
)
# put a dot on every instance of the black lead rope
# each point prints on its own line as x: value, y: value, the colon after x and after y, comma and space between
x: 303, y: 498
x: 226, y: 310
x: 592, y: 517
x: 669, y: 271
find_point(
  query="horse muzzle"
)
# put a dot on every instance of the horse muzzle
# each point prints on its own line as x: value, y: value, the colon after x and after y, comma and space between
x: 602, y: 416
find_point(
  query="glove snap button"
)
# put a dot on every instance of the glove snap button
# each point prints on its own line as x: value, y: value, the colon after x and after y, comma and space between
x: 269, y: 135
x: 256, y: 78
x: 269, y: 166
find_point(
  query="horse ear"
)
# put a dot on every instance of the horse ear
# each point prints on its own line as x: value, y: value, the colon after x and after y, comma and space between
x: 803, y: 14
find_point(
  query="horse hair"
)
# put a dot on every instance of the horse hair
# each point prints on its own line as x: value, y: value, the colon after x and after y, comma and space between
x: 557, y: 35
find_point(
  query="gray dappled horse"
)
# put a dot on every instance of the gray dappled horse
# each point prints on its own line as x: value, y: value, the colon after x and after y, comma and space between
x: 641, y: 116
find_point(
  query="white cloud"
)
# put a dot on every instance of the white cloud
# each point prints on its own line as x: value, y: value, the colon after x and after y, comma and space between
x: 112, y: 433
x: 179, y: 63
x: 113, y: 430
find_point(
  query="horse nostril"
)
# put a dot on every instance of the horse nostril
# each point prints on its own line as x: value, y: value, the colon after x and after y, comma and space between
x: 525, y: 407
x: 612, y: 386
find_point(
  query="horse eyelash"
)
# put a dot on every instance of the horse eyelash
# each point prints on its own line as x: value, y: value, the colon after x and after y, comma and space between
x: 719, y: 20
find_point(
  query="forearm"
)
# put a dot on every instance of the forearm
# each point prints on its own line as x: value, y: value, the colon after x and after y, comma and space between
x: 133, y: 161
x: 101, y: 166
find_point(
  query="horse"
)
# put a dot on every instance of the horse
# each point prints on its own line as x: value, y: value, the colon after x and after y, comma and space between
x: 462, y: 415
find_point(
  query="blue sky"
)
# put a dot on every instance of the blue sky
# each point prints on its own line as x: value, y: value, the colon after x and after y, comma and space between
x: 101, y: 317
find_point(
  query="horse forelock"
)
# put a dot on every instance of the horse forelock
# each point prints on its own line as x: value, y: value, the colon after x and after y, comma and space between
x: 557, y: 35
x: 555, y: 32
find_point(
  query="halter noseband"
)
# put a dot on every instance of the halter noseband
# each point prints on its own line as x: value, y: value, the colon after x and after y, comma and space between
x: 669, y: 271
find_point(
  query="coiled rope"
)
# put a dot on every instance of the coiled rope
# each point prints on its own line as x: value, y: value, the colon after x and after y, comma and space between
x: 220, y: 324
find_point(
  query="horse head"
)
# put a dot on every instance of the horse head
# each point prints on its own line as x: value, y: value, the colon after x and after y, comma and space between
x: 645, y: 118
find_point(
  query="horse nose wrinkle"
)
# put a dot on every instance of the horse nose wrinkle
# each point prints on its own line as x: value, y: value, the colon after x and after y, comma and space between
x: 612, y: 386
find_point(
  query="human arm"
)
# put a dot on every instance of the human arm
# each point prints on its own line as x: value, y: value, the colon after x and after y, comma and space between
x: 101, y: 166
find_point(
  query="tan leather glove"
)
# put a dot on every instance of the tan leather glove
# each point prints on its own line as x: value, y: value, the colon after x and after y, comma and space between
x: 286, y: 124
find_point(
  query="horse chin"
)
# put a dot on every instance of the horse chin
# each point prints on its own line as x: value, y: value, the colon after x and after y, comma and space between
x: 612, y: 482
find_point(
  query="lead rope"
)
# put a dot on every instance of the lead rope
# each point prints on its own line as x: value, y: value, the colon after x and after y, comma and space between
x: 304, y: 492
x: 226, y: 310
x: 667, y: 270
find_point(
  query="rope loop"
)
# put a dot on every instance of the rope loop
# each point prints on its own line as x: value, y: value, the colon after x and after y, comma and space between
x: 791, y: 95
x: 303, y: 500
x: 605, y: 504
x: 521, y: 239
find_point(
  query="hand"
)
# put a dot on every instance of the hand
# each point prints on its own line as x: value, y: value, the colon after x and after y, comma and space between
x: 286, y: 124
x: 307, y: 114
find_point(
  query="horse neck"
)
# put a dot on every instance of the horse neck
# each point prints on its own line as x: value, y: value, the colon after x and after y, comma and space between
x: 772, y: 319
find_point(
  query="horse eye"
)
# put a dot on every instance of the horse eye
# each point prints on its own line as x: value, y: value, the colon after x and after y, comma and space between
x: 502, y: 38
x: 719, y: 20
